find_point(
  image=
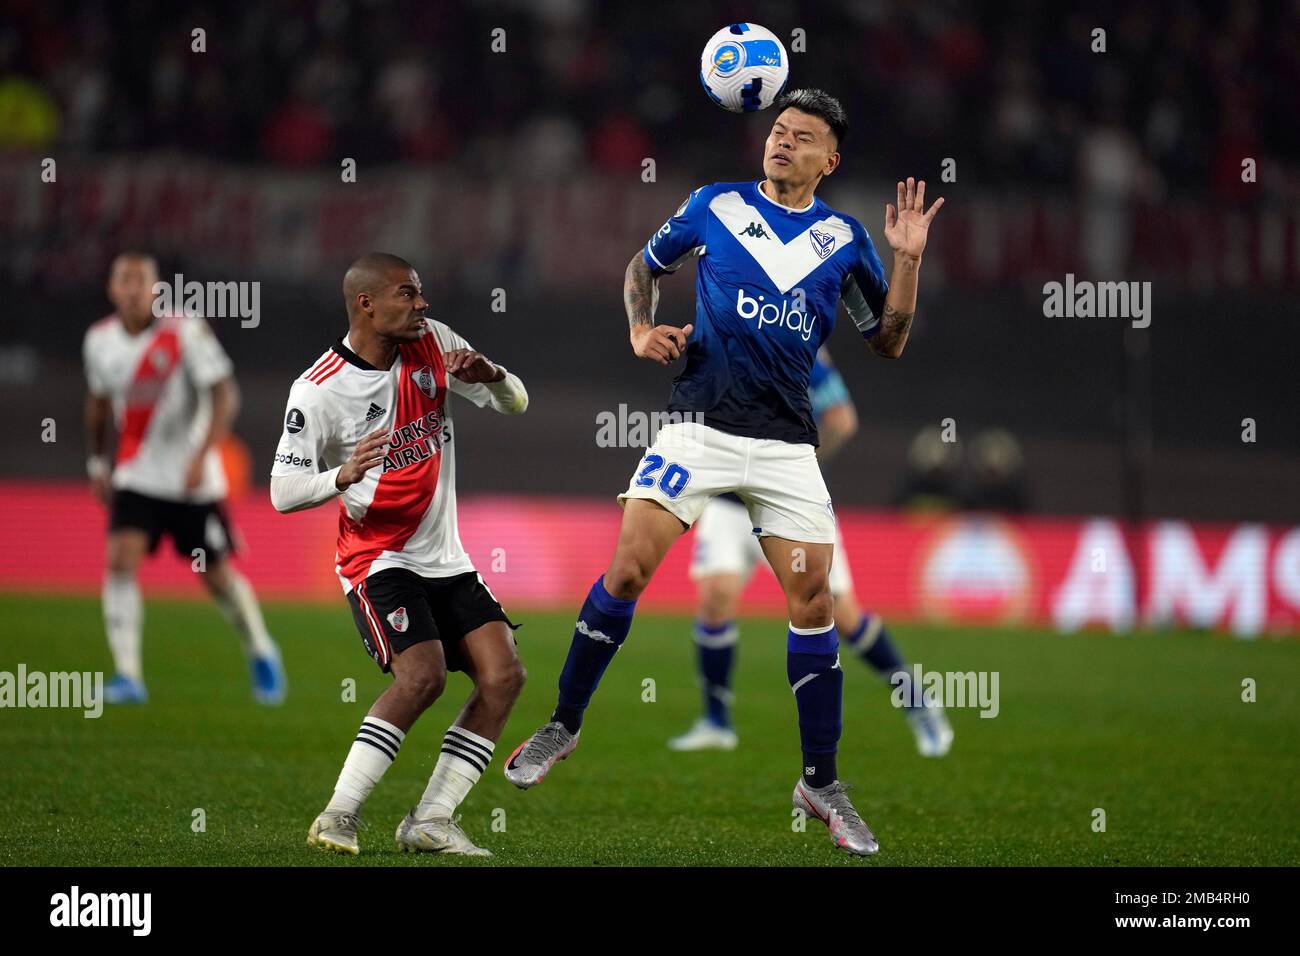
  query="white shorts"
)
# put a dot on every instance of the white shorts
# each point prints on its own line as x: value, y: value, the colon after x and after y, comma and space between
x: 780, y: 482
x: 725, y: 544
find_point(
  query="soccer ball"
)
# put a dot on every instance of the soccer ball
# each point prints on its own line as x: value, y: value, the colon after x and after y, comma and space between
x: 744, y: 67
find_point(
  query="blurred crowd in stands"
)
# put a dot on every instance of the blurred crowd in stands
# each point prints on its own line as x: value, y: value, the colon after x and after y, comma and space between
x: 1182, y: 92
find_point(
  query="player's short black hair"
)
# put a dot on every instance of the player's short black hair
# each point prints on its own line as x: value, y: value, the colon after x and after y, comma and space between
x: 818, y: 103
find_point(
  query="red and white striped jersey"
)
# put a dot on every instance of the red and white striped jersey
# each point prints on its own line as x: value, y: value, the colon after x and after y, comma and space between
x: 402, y: 514
x: 159, y: 382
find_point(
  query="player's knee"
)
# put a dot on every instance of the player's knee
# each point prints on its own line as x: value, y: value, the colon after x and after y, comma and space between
x: 627, y: 577
x: 503, y: 683
x: 812, y: 606
x: 216, y: 580
x: 119, y: 560
x: 425, y: 686
x: 717, y: 606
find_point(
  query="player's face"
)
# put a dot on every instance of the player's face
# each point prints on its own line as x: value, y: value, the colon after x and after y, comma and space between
x: 400, y: 308
x: 130, y: 289
x: 800, y: 148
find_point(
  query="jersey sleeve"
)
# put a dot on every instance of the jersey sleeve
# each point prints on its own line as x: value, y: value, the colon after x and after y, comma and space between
x: 94, y: 374
x: 305, y: 434
x: 864, y: 287
x: 680, y: 237
x: 204, y: 358
x: 508, y: 396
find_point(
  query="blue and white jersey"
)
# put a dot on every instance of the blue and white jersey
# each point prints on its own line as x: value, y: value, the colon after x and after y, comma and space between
x: 769, y: 281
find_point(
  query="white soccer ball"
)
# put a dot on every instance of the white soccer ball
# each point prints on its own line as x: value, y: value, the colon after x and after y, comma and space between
x: 744, y: 67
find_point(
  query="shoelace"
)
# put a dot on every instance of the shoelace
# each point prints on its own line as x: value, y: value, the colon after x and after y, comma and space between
x: 452, y: 826
x: 545, y: 744
x: 348, y: 820
x: 838, y: 800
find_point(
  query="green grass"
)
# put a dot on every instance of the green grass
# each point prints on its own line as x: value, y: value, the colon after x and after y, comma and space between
x: 1151, y: 728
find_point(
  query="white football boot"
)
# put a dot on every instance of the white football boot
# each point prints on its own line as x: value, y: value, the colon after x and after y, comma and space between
x: 932, y: 731
x: 336, y: 832
x: 436, y: 835
x: 705, y: 735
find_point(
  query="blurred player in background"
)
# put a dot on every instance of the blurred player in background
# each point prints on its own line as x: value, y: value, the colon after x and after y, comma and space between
x: 726, y: 552
x: 169, y: 386
x: 774, y: 261
x: 369, y: 425
x: 997, y: 474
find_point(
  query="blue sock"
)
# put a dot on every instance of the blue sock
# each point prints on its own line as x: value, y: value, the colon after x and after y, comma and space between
x: 602, y: 628
x: 716, y: 647
x: 872, y: 643
x: 812, y: 665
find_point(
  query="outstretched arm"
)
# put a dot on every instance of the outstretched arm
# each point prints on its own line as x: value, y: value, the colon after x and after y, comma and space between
x: 906, y: 230
x: 660, y: 343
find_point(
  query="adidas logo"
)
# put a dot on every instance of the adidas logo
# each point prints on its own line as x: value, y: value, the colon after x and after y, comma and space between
x: 756, y: 230
x: 374, y: 412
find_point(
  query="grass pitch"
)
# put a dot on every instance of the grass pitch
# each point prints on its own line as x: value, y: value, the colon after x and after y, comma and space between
x: 1151, y: 729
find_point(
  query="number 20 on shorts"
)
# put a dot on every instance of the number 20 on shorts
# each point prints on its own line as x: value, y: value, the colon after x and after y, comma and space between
x: 671, y: 482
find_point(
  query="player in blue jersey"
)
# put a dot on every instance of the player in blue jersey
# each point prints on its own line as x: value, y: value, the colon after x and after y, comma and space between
x: 773, y: 263
x: 725, y: 555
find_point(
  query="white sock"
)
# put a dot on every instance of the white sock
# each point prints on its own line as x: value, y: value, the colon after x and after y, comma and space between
x: 372, y: 753
x: 242, y: 610
x: 465, y: 755
x: 124, y: 621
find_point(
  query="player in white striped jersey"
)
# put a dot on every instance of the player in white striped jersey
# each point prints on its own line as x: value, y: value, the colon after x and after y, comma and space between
x: 169, y: 386
x: 369, y: 425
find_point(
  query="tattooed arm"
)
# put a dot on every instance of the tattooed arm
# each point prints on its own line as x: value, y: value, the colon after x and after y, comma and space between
x: 900, y: 307
x: 640, y: 293
x: 659, y: 343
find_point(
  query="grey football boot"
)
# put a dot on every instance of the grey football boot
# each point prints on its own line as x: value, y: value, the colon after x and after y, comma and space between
x: 534, y: 758
x: 830, y: 805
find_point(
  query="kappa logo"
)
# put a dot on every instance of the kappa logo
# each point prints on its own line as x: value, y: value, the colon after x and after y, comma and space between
x: 756, y: 230
x: 425, y: 381
x: 786, y: 263
x: 592, y: 633
x: 823, y: 243
x: 399, y: 621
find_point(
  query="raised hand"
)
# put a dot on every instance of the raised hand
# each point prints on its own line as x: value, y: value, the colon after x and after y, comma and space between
x: 907, y: 226
x: 470, y: 366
